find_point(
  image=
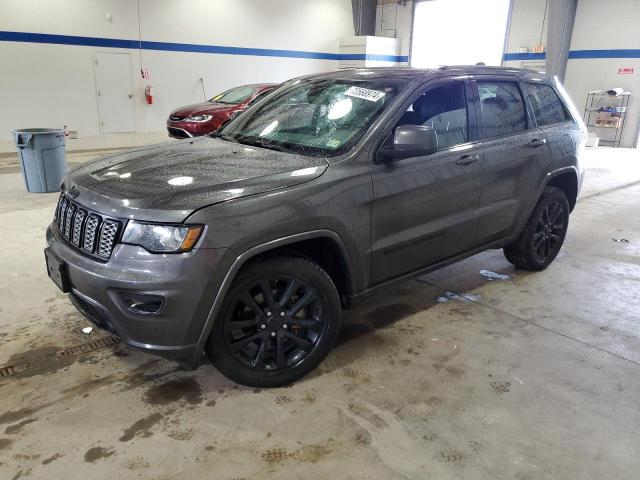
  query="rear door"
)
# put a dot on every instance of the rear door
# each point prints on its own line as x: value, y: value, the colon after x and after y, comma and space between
x: 424, y: 208
x: 516, y: 156
x: 553, y: 119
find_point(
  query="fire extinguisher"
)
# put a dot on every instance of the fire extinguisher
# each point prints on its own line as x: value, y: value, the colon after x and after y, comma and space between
x: 148, y: 92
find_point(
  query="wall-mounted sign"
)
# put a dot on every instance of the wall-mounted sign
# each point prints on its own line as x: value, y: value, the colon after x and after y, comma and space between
x: 625, y: 71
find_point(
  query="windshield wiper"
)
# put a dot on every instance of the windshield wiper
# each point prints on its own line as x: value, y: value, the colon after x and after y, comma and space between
x: 224, y: 136
x: 263, y: 143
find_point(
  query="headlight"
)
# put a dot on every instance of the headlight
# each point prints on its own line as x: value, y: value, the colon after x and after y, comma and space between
x: 198, y: 118
x: 158, y: 238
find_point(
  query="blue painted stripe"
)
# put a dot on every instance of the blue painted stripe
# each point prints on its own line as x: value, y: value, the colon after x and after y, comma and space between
x: 577, y: 54
x: 523, y: 56
x: 621, y: 53
x: 373, y: 57
x: 67, y: 40
x: 187, y: 47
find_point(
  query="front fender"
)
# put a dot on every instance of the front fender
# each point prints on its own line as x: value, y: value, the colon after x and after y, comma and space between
x: 242, y: 260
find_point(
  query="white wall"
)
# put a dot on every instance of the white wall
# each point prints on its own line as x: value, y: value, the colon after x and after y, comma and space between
x: 44, y: 85
x: 526, y: 25
x: 606, y: 25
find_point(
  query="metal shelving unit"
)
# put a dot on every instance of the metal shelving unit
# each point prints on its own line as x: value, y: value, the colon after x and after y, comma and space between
x: 603, y: 110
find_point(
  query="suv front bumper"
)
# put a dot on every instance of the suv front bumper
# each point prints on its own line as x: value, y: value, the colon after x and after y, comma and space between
x: 187, y: 282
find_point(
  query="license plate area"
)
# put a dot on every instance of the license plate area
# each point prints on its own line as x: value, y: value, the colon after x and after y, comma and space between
x: 57, y: 270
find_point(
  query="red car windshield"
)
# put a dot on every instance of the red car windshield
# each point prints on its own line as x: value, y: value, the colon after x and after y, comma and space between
x: 235, y: 95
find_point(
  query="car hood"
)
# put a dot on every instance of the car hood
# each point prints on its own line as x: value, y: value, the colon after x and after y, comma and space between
x: 205, y: 108
x: 167, y: 182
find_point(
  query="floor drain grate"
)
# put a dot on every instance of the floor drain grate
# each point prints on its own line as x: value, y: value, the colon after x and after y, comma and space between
x: 7, y: 371
x: 87, y: 347
x: 35, y: 362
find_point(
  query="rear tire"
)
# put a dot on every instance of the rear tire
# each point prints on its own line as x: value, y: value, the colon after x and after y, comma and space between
x: 279, y: 320
x: 543, y: 235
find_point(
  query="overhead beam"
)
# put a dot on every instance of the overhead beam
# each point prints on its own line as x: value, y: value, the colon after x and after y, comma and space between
x: 364, y: 16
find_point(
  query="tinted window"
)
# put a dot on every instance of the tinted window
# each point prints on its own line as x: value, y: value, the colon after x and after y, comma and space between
x: 502, y: 109
x: 444, y: 109
x: 546, y: 104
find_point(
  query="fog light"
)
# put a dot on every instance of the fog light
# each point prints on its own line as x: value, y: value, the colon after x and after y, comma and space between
x: 142, y: 302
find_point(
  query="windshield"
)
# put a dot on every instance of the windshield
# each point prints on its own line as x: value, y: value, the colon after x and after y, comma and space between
x: 235, y: 95
x: 318, y: 117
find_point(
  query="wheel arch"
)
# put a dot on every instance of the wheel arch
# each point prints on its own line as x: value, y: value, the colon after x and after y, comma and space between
x: 563, y: 178
x: 566, y: 179
x: 326, y: 251
x: 303, y: 244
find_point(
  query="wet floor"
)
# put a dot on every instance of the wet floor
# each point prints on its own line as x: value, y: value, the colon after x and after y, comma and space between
x: 475, y: 371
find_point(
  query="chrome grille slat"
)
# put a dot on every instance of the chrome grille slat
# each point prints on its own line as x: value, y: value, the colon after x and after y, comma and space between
x: 90, y: 233
x: 62, y: 215
x: 68, y: 221
x: 108, y: 234
x: 78, y: 223
x: 86, y: 230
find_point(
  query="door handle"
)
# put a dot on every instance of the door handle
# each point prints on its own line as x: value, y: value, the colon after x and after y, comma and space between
x: 537, y: 142
x: 467, y: 159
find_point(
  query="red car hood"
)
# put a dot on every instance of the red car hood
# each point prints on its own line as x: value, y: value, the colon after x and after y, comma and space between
x: 209, y: 108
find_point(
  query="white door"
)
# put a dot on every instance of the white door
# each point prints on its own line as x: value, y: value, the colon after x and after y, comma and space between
x: 115, y: 92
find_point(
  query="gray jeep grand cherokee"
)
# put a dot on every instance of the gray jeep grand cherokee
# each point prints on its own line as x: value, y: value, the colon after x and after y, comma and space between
x: 247, y: 244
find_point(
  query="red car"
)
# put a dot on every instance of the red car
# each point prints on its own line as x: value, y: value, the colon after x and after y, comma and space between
x: 207, y: 117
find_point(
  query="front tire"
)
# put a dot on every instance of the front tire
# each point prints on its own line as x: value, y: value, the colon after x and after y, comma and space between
x: 543, y: 236
x: 279, y: 320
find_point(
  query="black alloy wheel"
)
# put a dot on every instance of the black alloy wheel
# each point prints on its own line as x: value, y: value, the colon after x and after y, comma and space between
x: 543, y: 235
x: 549, y: 232
x: 274, y: 324
x: 278, y: 321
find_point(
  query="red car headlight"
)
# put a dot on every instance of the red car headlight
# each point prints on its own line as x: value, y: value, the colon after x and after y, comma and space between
x: 198, y: 118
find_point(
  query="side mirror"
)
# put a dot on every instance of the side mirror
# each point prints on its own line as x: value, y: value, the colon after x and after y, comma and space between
x: 411, y: 141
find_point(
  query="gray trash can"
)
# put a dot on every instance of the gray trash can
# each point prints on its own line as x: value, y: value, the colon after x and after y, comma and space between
x: 42, y: 158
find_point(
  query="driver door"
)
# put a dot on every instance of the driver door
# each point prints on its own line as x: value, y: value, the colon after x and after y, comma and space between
x: 425, y: 208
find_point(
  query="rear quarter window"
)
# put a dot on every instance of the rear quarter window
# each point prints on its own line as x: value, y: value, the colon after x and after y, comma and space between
x: 545, y: 103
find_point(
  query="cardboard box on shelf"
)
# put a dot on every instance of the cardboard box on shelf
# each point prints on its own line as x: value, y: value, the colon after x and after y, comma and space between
x: 610, y: 122
x: 602, y: 116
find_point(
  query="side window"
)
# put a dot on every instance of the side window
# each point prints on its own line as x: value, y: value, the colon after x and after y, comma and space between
x: 444, y: 109
x: 546, y: 105
x: 502, y: 110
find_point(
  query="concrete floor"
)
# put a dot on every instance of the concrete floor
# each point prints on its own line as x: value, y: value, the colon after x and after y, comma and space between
x: 453, y: 375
